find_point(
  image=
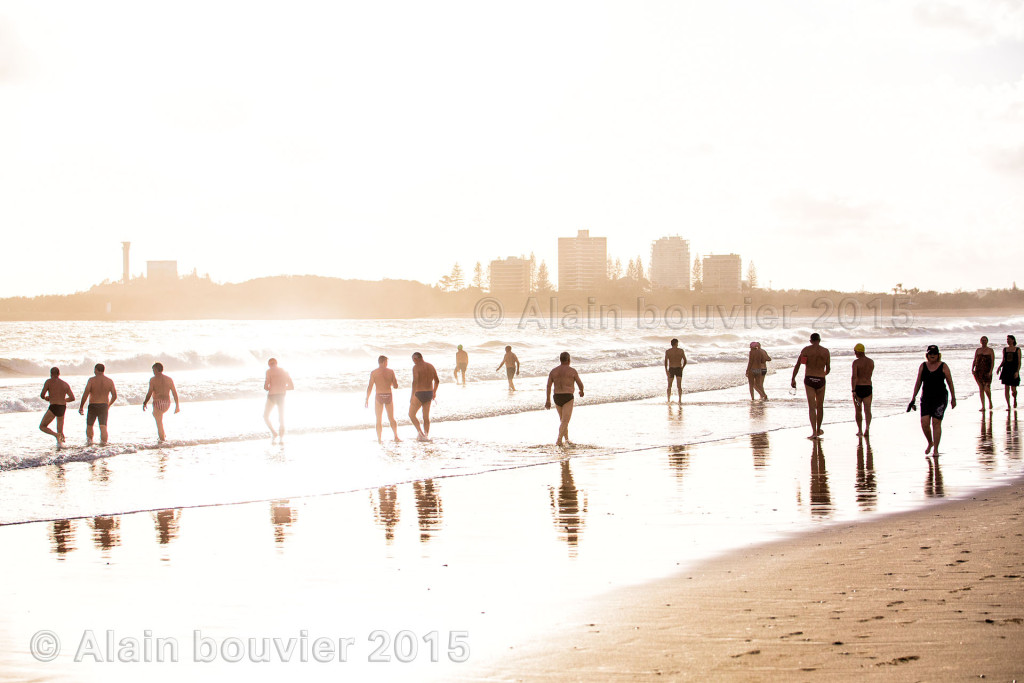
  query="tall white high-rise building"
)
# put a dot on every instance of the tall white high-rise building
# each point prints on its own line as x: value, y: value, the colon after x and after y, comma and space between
x: 670, y: 263
x: 510, y: 275
x: 582, y: 262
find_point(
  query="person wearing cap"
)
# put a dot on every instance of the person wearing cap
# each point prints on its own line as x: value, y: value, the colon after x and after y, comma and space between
x: 861, y: 383
x: 461, y: 363
x: 981, y: 368
x: 933, y: 376
x: 757, y: 368
x: 818, y: 363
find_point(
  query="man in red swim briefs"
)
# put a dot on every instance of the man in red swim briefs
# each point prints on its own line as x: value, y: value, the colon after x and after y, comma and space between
x: 383, y: 380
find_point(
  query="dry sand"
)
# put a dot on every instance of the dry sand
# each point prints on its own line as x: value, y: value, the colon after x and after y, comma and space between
x: 934, y: 594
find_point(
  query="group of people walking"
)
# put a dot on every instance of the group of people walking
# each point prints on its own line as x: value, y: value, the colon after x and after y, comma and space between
x: 933, y: 379
x: 101, y: 393
x: 934, y: 382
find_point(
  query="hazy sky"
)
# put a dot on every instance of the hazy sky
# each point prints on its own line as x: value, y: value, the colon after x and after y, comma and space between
x: 841, y: 143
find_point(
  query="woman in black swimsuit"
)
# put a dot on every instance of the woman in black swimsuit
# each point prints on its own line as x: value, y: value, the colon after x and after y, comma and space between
x: 934, y: 376
x: 1009, y: 370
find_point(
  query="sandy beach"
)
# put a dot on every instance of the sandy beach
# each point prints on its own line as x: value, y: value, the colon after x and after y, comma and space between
x: 932, y: 594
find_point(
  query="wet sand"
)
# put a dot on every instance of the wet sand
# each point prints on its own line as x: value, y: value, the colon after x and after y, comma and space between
x: 931, y: 594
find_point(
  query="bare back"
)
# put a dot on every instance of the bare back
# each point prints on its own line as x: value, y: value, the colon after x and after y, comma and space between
x: 675, y: 356
x: 862, y: 371
x: 99, y: 389
x: 278, y: 381
x: 818, y: 360
x: 564, y: 379
x: 57, y: 391
x: 424, y: 377
x: 384, y: 380
x: 161, y: 385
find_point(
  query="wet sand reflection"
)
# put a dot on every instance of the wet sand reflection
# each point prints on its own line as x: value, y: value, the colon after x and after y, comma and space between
x: 567, y: 509
x: 866, y: 486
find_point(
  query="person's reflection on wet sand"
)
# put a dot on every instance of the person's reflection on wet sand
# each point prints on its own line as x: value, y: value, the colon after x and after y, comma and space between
x: 428, y: 507
x: 821, y: 498
x: 760, y: 447
x: 567, y: 510
x: 62, y: 537
x: 986, y: 446
x: 167, y: 524
x: 933, y: 483
x: 867, y: 489
x: 282, y: 516
x: 1012, y: 437
x: 679, y: 459
x: 99, y: 470
x: 106, y: 532
x: 385, y: 510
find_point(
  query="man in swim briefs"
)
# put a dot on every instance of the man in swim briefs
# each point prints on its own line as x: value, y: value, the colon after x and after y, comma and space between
x: 818, y: 363
x: 511, y: 363
x: 277, y: 384
x: 58, y: 393
x: 563, y: 379
x: 675, y: 361
x: 161, y: 388
x: 424, y: 390
x: 101, y: 394
x: 383, y: 380
x: 981, y: 368
x: 862, y: 369
x: 461, y: 363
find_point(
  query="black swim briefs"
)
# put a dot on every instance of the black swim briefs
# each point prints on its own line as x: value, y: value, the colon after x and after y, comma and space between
x: 815, y: 383
x: 424, y: 397
x: 675, y: 372
x: 57, y: 410
x: 862, y: 390
x: 562, y: 399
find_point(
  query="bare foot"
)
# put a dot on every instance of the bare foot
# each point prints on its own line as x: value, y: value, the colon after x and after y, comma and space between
x: 820, y: 431
x: 928, y: 450
x: 422, y: 437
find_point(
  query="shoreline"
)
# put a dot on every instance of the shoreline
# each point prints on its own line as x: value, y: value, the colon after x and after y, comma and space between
x: 949, y: 601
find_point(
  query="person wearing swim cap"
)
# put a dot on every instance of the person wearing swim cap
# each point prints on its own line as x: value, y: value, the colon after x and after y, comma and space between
x: 860, y: 380
x: 757, y: 368
x: 461, y: 363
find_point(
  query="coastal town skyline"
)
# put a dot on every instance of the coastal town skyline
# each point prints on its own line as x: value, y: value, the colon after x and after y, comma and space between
x: 848, y: 147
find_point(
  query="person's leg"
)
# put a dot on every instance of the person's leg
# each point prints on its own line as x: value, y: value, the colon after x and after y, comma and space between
x: 566, y: 416
x: 44, y: 426
x: 158, y: 417
x: 426, y: 418
x: 392, y: 421
x: 867, y: 414
x: 670, y: 387
x: 266, y: 416
x: 819, y: 405
x: 812, y: 402
x: 558, y: 409
x: 280, y: 418
x: 857, y: 415
x: 751, y: 383
x: 378, y: 409
x: 759, y: 385
x: 679, y: 386
x: 936, y: 435
x: 103, y: 434
x: 90, y: 420
x: 414, y: 406
x: 981, y: 392
x: 926, y: 427
x: 988, y: 392
x: 60, y: 430
x: 1014, y: 396
x: 1006, y: 394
